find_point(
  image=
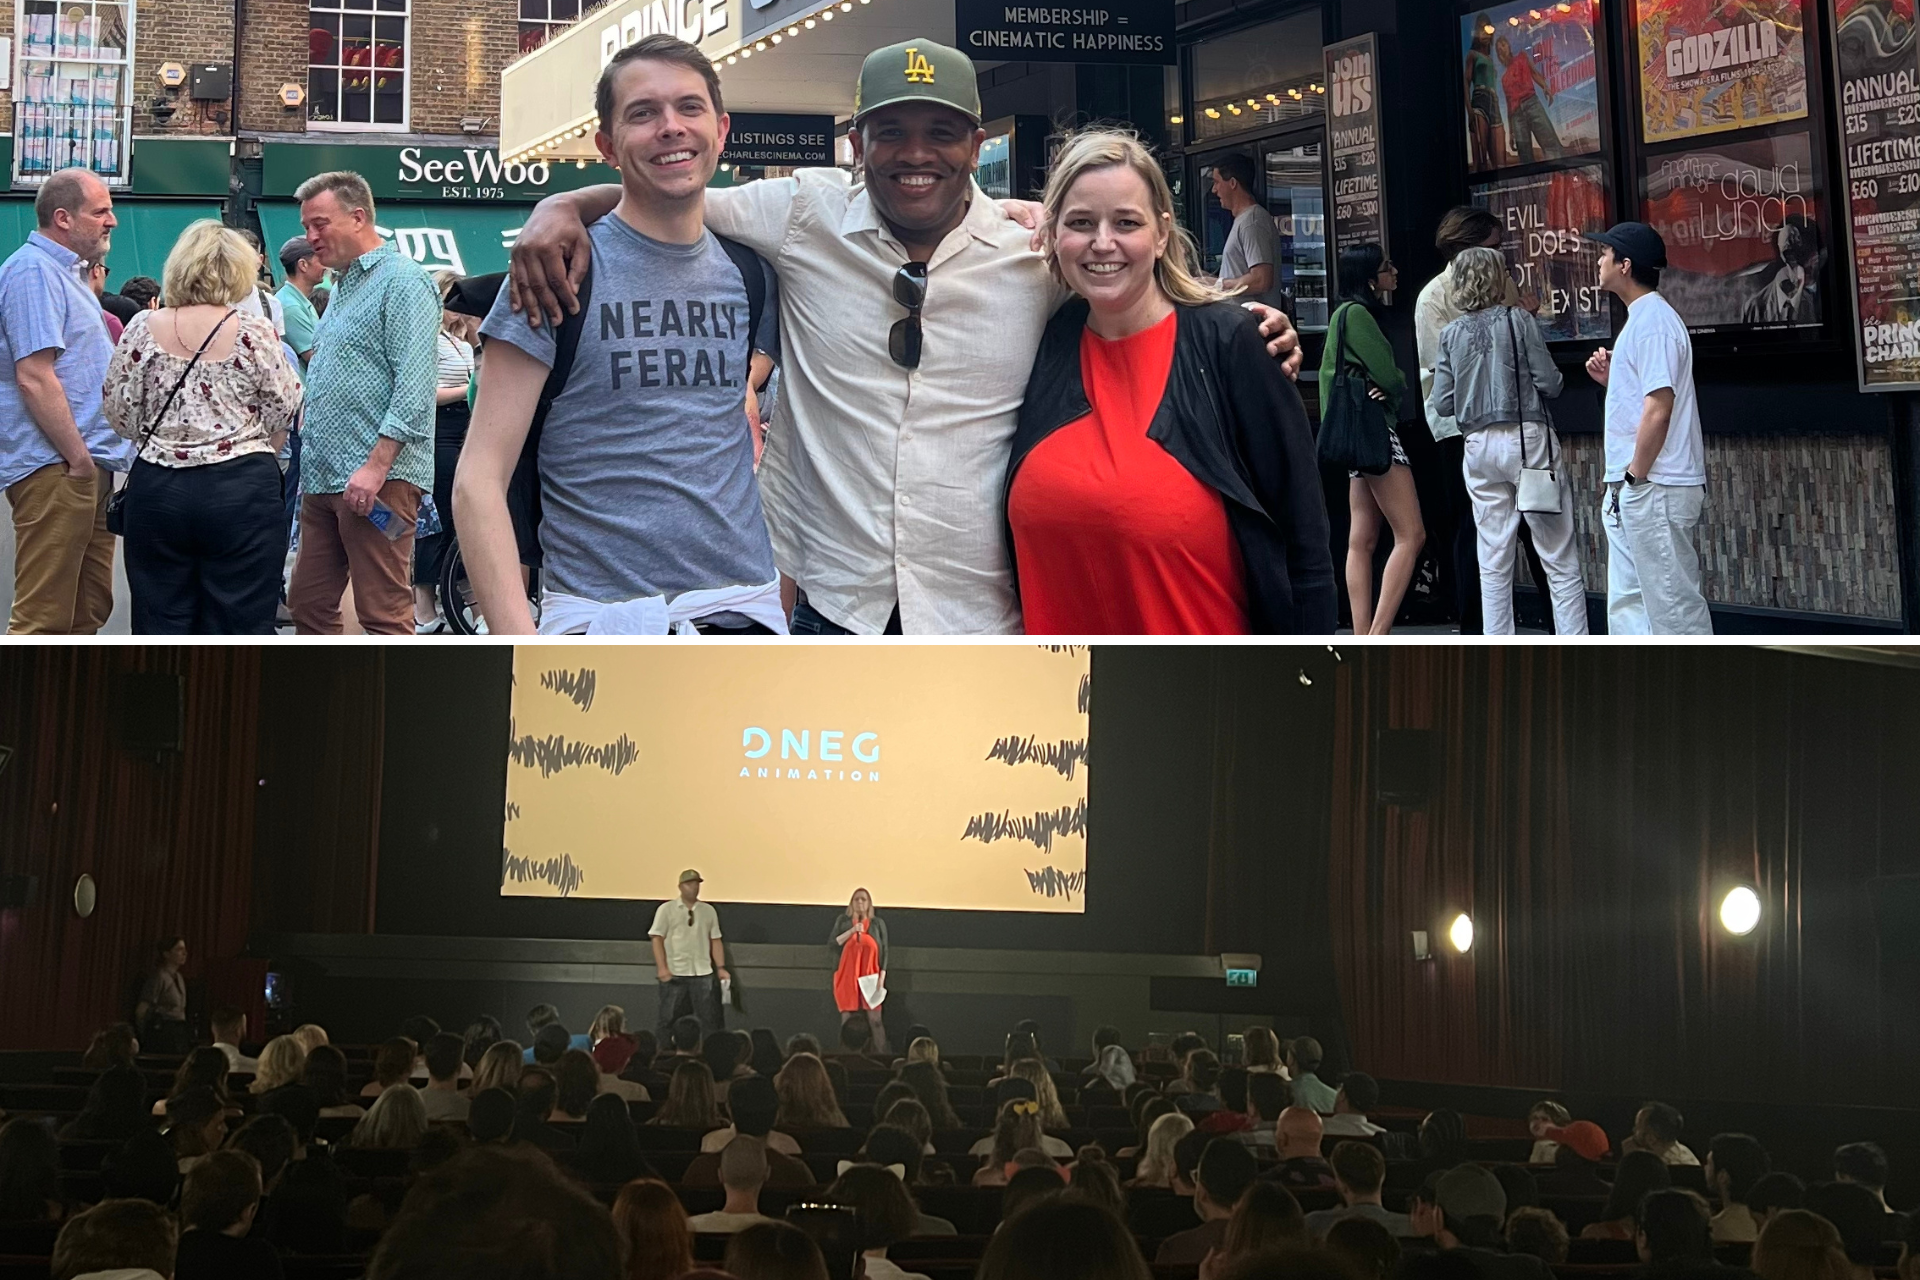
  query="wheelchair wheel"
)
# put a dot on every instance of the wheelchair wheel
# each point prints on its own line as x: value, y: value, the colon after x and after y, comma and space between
x: 457, y: 602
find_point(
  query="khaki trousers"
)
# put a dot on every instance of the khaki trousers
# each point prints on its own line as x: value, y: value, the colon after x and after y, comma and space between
x: 62, y: 553
x: 337, y: 547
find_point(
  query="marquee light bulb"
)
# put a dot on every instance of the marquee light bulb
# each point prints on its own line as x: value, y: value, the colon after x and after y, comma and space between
x: 1740, y: 911
x: 1460, y: 934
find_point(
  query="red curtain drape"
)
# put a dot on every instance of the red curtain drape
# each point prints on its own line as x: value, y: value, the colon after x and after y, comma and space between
x: 1590, y: 809
x: 169, y: 840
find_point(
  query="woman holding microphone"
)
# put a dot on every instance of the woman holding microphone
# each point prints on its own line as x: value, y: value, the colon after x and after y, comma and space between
x: 859, y: 982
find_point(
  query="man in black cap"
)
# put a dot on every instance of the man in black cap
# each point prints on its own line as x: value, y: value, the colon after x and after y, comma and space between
x: 1656, y: 460
x: 912, y: 310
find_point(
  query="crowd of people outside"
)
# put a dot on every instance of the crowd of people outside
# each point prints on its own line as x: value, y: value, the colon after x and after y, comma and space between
x: 1083, y: 434
x: 465, y: 1154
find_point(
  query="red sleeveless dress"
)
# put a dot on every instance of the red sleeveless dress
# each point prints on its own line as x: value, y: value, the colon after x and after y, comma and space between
x: 860, y: 958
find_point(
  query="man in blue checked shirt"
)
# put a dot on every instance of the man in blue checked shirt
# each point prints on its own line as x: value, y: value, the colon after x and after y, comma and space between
x: 367, y: 441
x: 57, y: 454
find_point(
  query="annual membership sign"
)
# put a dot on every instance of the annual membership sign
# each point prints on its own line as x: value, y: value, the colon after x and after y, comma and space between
x: 1122, y: 31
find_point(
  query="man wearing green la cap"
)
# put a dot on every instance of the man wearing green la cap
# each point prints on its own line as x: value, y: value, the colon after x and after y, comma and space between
x: 911, y: 310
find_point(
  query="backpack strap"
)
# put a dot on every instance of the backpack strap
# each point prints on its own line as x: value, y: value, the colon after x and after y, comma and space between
x: 523, y: 490
x: 753, y: 275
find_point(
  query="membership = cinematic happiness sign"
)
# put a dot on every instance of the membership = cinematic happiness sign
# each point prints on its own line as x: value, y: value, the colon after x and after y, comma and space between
x: 933, y: 777
x: 1877, y: 67
x: 1117, y: 31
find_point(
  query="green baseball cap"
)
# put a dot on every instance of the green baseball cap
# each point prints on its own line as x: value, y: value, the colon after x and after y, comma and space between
x: 917, y: 71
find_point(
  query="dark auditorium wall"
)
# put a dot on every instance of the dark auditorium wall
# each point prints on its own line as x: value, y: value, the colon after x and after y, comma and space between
x: 1207, y: 816
x: 169, y: 839
x: 1592, y: 807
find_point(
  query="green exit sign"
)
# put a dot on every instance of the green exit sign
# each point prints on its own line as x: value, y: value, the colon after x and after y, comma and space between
x: 1243, y: 977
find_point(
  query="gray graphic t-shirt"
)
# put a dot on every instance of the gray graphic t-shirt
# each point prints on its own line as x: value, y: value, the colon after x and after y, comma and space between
x: 646, y: 464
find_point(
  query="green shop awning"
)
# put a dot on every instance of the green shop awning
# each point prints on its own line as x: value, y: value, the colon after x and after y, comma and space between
x: 141, y: 242
x: 472, y: 239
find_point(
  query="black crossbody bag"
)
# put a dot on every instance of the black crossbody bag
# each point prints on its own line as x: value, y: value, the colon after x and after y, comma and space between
x: 117, y: 503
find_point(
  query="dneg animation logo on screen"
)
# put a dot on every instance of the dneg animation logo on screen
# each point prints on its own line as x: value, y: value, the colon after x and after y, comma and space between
x: 807, y: 757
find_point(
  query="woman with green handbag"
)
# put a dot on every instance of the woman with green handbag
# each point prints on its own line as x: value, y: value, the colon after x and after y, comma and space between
x: 1355, y: 336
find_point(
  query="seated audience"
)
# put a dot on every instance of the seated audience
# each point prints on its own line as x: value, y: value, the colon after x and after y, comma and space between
x: 1225, y: 1172
x: 1202, y: 1080
x: 392, y: 1066
x: 642, y: 1067
x: 743, y: 1174
x: 1864, y: 1164
x: 576, y: 1081
x: 1267, y: 1097
x: 1030, y: 1028
x: 1368, y: 1248
x: 612, y: 1056
x: 1053, y: 1116
x: 1156, y: 1161
x: 908, y: 1114
x: 653, y: 1231
x: 1538, y: 1232
x: 1267, y: 1217
x: 929, y: 1084
x: 229, y: 1027
x: 1860, y: 1218
x: 482, y: 1034
x: 1675, y: 1233
x: 1264, y: 1056
x: 1062, y: 1238
x: 533, y: 1109
x: 113, y: 1045
x: 1442, y: 1141
x: 309, y: 1036
x: 396, y: 1121
x: 765, y: 1056
x: 1773, y: 1194
x: 803, y: 1042
x: 894, y: 1149
x: 442, y: 1098
x: 1113, y: 1065
x: 307, y: 1212
x: 886, y: 1216
x: 856, y: 1045
x: 1186, y: 1160
x: 1464, y: 1209
x: 545, y: 1015
x: 1233, y: 1115
x: 1359, y: 1172
x: 143, y: 1167
x: 609, y: 1150
x: 1735, y: 1162
x: 1657, y: 1128
x: 217, y: 1209
x: 754, y: 1105
x: 1578, y: 1150
x: 1028, y: 1185
x: 689, y: 1103
x: 609, y: 1022
x: 127, y: 1239
x: 1797, y: 1245
x: 1522, y: 1191
x: 1544, y: 1115
x: 272, y: 1142
x: 1309, y: 1090
x: 1146, y: 1110
x: 725, y: 1056
x: 685, y: 1036
x: 773, y: 1250
x: 492, y: 1214
x: 499, y: 1068
x: 30, y: 1172
x: 806, y: 1094
x: 325, y: 1072
x: 1090, y: 1177
x: 549, y: 1043
x: 296, y: 1104
x: 1301, y: 1166
x: 116, y: 1107
x: 490, y: 1119
x: 196, y: 1125
x: 1640, y: 1173
x: 1015, y: 1129
x: 1910, y: 1248
x: 1359, y: 1093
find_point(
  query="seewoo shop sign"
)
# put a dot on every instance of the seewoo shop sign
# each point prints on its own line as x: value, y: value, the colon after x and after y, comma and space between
x: 425, y: 173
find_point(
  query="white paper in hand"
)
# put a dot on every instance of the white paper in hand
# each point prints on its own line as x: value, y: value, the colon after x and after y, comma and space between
x: 873, y: 989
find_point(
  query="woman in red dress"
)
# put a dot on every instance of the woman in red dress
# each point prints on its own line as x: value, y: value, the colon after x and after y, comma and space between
x: 859, y: 983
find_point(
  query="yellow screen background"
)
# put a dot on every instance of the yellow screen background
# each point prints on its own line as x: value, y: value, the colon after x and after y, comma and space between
x: 627, y: 764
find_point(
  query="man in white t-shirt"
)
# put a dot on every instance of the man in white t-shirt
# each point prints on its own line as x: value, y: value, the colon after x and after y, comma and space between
x: 1656, y: 476
x: 1251, y: 257
x: 688, y: 958
x: 229, y: 1029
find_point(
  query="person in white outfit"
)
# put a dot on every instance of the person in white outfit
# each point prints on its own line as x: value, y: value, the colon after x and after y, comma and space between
x: 1656, y: 477
x: 1494, y: 376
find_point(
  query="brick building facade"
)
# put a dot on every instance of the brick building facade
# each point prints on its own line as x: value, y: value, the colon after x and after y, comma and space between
x: 182, y: 31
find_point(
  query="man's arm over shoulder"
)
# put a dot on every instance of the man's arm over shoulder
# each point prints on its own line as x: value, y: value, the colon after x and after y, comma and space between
x: 756, y: 214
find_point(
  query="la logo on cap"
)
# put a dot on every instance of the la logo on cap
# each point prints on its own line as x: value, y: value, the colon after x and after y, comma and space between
x: 919, y: 70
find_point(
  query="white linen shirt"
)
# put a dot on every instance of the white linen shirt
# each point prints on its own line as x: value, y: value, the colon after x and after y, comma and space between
x: 884, y: 485
x: 689, y: 949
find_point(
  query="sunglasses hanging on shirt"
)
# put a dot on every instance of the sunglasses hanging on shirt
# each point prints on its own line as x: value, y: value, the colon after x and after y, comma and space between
x: 910, y: 291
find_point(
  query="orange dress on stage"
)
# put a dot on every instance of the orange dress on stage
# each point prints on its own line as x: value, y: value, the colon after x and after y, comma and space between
x: 860, y: 958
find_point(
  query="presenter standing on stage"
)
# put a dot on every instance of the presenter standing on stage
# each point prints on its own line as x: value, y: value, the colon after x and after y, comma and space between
x: 860, y: 981
x: 688, y: 958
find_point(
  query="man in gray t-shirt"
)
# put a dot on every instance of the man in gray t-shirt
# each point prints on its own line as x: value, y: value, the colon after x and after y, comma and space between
x: 1251, y: 256
x: 650, y: 513
x: 646, y: 464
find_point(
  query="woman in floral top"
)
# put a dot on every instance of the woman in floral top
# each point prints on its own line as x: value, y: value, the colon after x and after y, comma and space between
x: 206, y: 529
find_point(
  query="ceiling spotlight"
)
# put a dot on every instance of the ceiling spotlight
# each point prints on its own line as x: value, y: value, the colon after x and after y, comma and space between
x: 1460, y: 933
x: 1306, y: 681
x: 1740, y: 911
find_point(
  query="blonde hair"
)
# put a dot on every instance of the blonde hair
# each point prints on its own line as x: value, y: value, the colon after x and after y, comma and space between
x: 398, y: 1118
x: 1156, y: 1165
x: 1799, y: 1245
x: 499, y: 1068
x: 1477, y: 279
x: 1052, y: 1114
x: 209, y: 265
x: 924, y: 1049
x: 610, y: 1021
x: 1093, y: 149
x: 311, y: 1036
x: 281, y: 1062
x: 348, y: 187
